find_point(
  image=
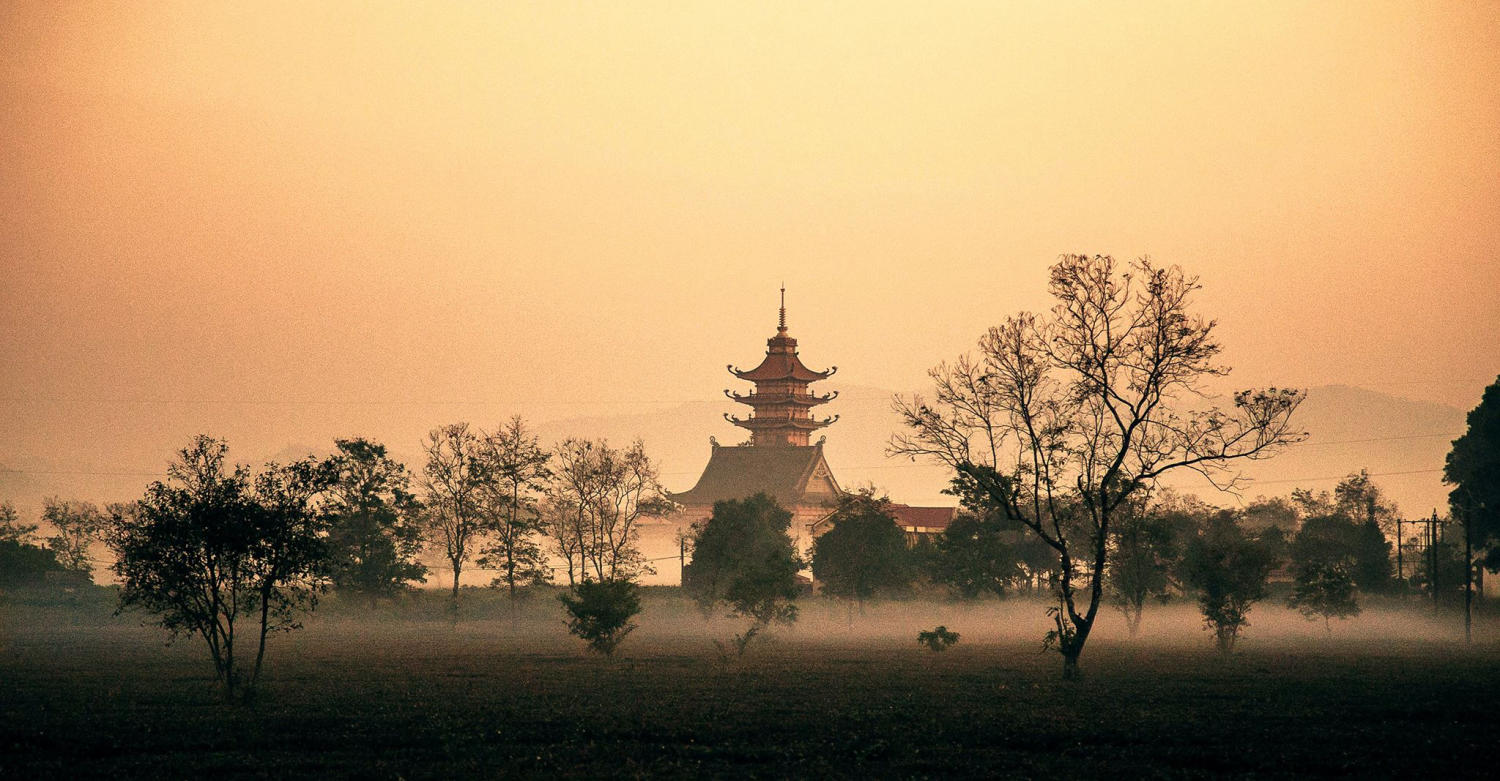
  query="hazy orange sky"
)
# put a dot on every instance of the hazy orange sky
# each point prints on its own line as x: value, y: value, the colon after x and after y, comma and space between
x: 306, y: 211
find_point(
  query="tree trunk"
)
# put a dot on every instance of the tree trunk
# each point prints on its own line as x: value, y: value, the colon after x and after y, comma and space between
x: 260, y: 650
x: 1070, y: 665
x: 1468, y: 583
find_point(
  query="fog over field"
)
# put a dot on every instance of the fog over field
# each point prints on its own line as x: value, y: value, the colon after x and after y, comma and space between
x: 1009, y: 382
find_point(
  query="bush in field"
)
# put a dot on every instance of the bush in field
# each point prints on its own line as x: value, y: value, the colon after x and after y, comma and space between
x: 938, y: 639
x: 1229, y: 570
x: 743, y: 557
x: 599, y: 612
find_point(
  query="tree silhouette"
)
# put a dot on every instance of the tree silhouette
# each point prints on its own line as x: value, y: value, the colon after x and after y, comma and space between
x: 1228, y: 569
x: 743, y: 558
x: 1064, y: 417
x: 864, y: 553
x: 453, y: 481
x: 217, y: 553
x: 1325, y: 589
x: 78, y: 525
x: 1473, y: 469
x: 375, y: 529
x: 517, y: 467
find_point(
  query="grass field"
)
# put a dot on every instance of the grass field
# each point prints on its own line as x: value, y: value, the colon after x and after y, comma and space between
x: 1388, y: 695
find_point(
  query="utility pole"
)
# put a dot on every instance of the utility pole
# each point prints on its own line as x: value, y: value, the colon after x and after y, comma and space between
x: 1400, y: 570
x: 1432, y: 577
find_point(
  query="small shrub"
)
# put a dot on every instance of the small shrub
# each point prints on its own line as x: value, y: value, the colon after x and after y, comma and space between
x: 599, y: 612
x: 939, y: 639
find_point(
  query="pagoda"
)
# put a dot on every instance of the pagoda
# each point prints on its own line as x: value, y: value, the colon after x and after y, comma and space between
x: 777, y: 460
x: 782, y: 401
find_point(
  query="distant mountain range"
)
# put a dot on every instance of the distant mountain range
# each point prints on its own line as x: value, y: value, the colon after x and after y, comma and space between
x: 1402, y: 442
x: 104, y: 455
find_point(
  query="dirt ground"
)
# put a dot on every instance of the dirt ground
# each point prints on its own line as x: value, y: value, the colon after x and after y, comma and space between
x: 404, y: 693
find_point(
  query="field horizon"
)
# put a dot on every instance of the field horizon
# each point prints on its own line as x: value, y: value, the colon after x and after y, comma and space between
x: 404, y: 693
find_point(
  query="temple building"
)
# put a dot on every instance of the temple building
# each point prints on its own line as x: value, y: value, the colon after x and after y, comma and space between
x: 777, y: 458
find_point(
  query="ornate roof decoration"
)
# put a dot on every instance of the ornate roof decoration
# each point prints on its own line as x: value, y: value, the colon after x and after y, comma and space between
x: 781, y: 400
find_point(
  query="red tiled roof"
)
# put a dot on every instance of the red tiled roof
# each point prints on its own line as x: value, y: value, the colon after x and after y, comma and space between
x: 926, y: 518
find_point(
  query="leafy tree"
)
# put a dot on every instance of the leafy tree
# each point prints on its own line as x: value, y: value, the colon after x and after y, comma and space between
x: 11, y: 528
x: 22, y: 561
x: 976, y: 555
x: 1143, y: 555
x: 1348, y: 525
x: 1063, y: 418
x: 1329, y: 548
x: 864, y: 553
x: 1325, y: 589
x: 600, y: 612
x: 78, y: 525
x: 517, y: 465
x: 1359, y: 499
x: 1473, y: 469
x: 1228, y: 569
x: 1277, y: 512
x: 453, y: 483
x: 210, y: 551
x: 375, y: 532
x: 744, y: 558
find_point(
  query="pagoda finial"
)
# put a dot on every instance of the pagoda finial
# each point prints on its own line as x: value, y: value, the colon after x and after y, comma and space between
x: 781, y: 324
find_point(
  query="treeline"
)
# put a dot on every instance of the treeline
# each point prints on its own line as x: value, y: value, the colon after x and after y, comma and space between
x: 1321, y: 553
x: 224, y: 553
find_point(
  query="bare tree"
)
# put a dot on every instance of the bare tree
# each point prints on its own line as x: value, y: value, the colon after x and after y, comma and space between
x: 602, y: 493
x: 452, y: 483
x: 517, y: 465
x: 1062, y: 417
x: 561, y: 521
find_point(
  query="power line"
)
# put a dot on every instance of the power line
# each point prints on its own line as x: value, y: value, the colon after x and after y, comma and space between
x: 1341, y: 477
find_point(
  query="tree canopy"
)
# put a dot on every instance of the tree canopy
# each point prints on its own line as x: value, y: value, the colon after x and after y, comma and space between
x: 375, y: 532
x: 1473, y: 469
x: 1228, y: 568
x: 865, y: 552
x: 219, y: 553
x: 1063, y: 417
x: 744, y: 558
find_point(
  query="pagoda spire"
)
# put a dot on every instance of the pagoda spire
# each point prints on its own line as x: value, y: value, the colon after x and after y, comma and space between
x: 782, y: 401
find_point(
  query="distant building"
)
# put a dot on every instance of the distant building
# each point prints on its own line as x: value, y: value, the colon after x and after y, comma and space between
x: 777, y: 458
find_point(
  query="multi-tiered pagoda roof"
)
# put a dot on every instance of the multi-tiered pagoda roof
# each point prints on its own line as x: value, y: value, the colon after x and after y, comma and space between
x: 782, y: 400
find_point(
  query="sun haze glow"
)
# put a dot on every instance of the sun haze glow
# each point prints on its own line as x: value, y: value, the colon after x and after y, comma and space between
x: 550, y: 208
